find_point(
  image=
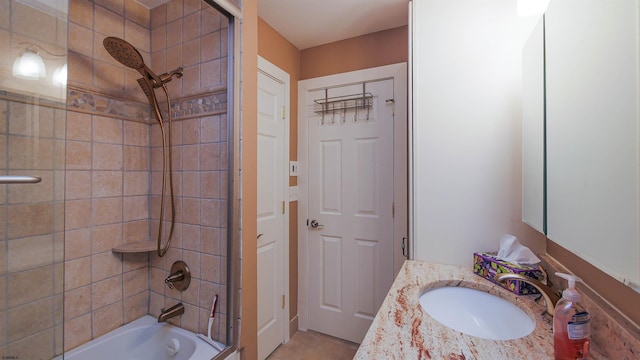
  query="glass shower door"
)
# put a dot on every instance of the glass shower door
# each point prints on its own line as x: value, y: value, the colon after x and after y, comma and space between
x: 33, y: 48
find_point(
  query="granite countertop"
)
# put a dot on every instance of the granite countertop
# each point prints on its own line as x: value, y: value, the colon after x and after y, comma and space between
x: 402, y: 330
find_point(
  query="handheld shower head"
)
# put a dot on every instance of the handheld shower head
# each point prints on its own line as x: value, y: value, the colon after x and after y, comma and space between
x: 124, y: 52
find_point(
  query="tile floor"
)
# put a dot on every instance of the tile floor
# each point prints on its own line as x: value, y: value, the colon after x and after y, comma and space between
x: 311, y: 345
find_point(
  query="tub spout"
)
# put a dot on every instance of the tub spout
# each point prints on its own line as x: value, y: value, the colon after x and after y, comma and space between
x: 175, y: 310
x: 549, y: 295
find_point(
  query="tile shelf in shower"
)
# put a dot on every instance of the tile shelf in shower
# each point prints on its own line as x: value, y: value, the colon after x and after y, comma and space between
x: 136, y: 247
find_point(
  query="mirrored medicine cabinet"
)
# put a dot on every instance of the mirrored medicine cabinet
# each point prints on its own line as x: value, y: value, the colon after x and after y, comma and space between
x: 581, y: 158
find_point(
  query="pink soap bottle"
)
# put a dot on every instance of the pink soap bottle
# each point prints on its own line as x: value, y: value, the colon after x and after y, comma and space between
x: 571, y: 328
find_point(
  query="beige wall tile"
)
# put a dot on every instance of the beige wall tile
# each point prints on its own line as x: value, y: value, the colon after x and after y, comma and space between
x: 33, y: 23
x: 29, y: 320
x: 174, y: 10
x: 81, y: 12
x: 136, y: 306
x: 137, y: 13
x: 191, y: 27
x: 191, y: 52
x: 113, y: 5
x: 158, y: 16
x: 80, y: 39
x: 105, y: 237
x: 5, y: 15
x: 191, y: 131
x: 212, y: 74
x: 191, y: 158
x: 80, y: 71
x: 107, y: 22
x: 107, y: 130
x: 77, y: 331
x: 77, y: 185
x: 30, y: 252
x: 77, y: 214
x: 211, y: 20
x: 136, y: 134
x: 189, y: 320
x: 136, y: 158
x: 210, y: 129
x: 27, y: 286
x: 106, y: 292
x: 191, y: 237
x: 107, y: 211
x: 23, y: 193
x: 107, y: 157
x: 136, y: 183
x: 107, y: 319
x: 135, y: 261
x: 136, y: 231
x: 191, y: 184
x: 210, y: 184
x: 30, y: 120
x: 30, y: 153
x: 210, y: 268
x: 191, y: 6
x: 109, y: 78
x: 78, y: 124
x: 77, y: 243
x: 135, y: 281
x: 77, y: 302
x: 105, y: 265
x: 78, y: 155
x: 77, y: 273
x: 191, y: 211
x: 158, y: 39
x: 210, y: 154
x: 191, y: 83
x: 29, y: 220
x: 136, y: 208
x: 156, y: 303
x: 174, y: 60
x: 138, y: 36
x: 106, y: 183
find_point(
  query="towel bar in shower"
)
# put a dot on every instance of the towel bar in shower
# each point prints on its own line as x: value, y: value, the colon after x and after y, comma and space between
x: 17, y: 179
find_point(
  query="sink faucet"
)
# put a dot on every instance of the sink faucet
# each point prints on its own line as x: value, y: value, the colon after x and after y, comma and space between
x: 549, y: 295
x: 175, y: 310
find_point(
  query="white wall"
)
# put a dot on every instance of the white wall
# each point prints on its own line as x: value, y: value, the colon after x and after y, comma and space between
x: 467, y: 128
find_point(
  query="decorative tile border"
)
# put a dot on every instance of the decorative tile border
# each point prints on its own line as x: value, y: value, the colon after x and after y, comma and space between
x: 31, y: 100
x: 81, y: 100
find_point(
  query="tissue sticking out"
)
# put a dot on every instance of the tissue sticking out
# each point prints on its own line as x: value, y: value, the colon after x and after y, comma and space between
x: 512, y: 251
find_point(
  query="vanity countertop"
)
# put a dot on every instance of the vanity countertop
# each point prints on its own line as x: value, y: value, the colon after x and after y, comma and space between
x: 402, y: 330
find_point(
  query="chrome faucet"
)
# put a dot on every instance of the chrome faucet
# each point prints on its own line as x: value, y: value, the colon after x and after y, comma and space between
x: 548, y: 294
x: 175, y: 310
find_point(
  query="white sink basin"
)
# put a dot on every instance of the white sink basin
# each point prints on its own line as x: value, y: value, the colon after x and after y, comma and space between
x: 476, y: 313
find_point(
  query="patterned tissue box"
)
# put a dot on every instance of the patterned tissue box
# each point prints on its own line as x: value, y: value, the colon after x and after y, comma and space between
x: 487, y: 265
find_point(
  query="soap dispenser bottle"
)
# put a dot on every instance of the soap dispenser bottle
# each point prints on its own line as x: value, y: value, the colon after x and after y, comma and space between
x: 571, y: 329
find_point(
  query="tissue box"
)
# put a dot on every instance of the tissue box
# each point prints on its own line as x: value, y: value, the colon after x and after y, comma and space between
x: 487, y: 265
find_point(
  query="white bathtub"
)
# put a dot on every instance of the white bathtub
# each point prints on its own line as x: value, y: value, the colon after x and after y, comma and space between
x: 144, y: 339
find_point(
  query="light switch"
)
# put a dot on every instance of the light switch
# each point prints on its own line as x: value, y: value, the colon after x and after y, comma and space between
x: 293, y: 168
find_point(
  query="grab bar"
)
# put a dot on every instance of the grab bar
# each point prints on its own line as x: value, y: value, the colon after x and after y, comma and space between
x: 17, y: 179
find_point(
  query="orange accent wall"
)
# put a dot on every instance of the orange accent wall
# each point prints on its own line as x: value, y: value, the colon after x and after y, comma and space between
x: 249, y: 113
x: 279, y: 51
x: 376, y: 49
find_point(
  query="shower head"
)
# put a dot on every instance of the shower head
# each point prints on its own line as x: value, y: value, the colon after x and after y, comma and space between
x: 124, y: 52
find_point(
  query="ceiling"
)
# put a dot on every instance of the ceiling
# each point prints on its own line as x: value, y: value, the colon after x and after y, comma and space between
x: 308, y: 23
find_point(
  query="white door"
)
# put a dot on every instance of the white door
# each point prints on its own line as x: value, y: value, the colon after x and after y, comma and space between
x: 271, y: 209
x: 350, y: 197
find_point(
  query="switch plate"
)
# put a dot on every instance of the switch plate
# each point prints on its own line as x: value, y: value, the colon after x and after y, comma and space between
x: 293, y: 193
x: 293, y: 168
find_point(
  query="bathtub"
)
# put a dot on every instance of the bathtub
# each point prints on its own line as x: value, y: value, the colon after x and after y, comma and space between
x: 144, y: 339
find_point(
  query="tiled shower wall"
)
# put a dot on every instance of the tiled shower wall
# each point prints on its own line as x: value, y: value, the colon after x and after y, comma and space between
x: 200, y: 160
x: 114, y: 162
x: 107, y: 162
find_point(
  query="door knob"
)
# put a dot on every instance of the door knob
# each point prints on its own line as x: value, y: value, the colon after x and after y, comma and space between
x: 314, y: 224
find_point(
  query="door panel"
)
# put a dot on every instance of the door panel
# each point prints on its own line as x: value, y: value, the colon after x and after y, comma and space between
x: 271, y: 319
x: 351, y: 195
